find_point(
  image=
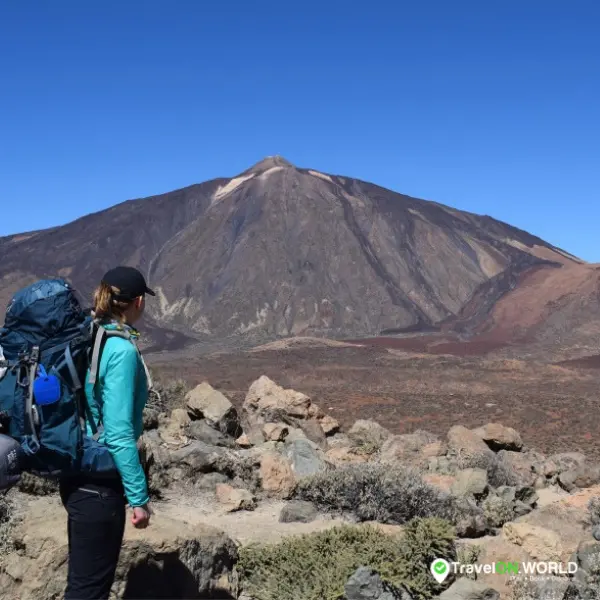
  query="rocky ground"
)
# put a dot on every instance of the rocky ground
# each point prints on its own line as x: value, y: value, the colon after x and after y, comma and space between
x: 238, y: 492
x: 554, y: 407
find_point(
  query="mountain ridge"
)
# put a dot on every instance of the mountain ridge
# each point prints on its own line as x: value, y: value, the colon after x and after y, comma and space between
x: 280, y: 251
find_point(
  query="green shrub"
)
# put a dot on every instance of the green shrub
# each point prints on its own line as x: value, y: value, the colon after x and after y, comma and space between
x: 374, y: 492
x: 318, y: 565
x: 497, y: 510
x: 36, y: 486
x: 468, y: 554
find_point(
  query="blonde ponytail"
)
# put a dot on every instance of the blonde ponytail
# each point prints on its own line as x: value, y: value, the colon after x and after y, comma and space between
x: 106, y: 306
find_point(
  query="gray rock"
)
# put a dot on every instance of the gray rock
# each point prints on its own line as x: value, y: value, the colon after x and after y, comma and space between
x: 584, y: 476
x: 565, y: 461
x: 527, y: 495
x: 521, y: 508
x: 470, y: 482
x: 596, y: 532
x: 567, y: 480
x: 339, y: 440
x: 366, y: 584
x: 467, y: 589
x: 298, y: 511
x: 199, y: 457
x: 209, y: 481
x: 304, y: 458
x: 204, y: 432
x: 472, y: 526
x: 499, y: 437
x: 468, y: 448
x: 507, y: 493
x: 368, y: 432
x: 517, y: 468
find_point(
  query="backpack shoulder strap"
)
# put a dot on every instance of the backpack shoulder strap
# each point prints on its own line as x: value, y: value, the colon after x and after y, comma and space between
x: 99, y: 337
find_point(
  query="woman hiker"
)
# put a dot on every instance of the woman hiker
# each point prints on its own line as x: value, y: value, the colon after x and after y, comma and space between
x: 97, y: 507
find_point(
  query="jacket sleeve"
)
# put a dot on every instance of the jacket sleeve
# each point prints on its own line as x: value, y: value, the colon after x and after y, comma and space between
x: 118, y: 400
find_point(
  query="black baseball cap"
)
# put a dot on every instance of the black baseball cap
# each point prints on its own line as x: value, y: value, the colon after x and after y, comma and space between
x: 129, y: 280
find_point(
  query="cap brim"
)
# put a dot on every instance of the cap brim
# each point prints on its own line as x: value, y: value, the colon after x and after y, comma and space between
x: 150, y: 292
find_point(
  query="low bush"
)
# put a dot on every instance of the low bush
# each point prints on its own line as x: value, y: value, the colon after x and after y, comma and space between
x: 167, y: 394
x: 497, y: 511
x: 36, y: 486
x: 374, y: 492
x: 6, y: 522
x: 594, y: 510
x: 318, y: 565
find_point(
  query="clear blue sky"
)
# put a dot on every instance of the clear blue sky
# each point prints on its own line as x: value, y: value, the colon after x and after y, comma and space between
x: 492, y: 107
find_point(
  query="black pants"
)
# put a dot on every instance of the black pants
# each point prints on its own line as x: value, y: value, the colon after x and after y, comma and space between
x: 96, y: 523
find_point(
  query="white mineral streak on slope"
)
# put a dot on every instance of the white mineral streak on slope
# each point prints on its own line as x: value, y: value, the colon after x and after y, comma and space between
x: 230, y: 187
x: 264, y: 176
x: 321, y: 176
x: 261, y: 319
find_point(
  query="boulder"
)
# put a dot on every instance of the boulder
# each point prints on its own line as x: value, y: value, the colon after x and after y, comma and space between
x: 498, y: 437
x: 471, y: 526
x: 169, y: 559
x: 467, y: 589
x: 180, y: 417
x: 234, y: 499
x: 276, y: 475
x: 339, y: 440
x: 206, y: 402
x: 265, y: 397
x: 329, y: 425
x: 202, y: 431
x: 434, y: 449
x: 267, y: 402
x: 583, y: 476
x: 567, y: 461
x: 494, y: 549
x: 366, y: 432
x: 209, y: 481
x: 568, y: 517
x: 298, y: 511
x: 305, y: 458
x: 244, y: 441
x: 366, y: 584
x: 199, y: 457
x: 275, y: 432
x: 470, y: 482
x: 587, y: 558
x: 344, y: 456
x: 539, y: 542
x: 409, y: 448
x: 156, y: 461
x: 518, y: 467
x: 468, y: 448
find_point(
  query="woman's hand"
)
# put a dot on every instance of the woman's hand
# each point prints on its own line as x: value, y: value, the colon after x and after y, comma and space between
x: 141, y: 516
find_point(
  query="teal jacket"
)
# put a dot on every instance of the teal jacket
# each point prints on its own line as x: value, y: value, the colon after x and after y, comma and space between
x: 120, y: 398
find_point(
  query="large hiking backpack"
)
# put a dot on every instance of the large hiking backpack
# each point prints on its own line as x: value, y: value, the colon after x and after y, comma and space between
x: 48, y: 343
